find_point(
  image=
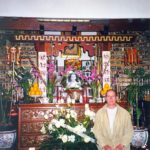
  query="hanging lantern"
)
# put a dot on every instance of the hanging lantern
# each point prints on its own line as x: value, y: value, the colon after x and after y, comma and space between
x: 13, y: 54
x: 131, y: 57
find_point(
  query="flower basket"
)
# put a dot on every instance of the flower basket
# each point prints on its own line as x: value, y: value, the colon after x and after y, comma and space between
x: 67, y: 132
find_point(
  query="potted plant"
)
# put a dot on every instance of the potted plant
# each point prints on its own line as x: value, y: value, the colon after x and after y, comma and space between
x: 7, y: 129
x: 24, y: 79
x: 136, y: 90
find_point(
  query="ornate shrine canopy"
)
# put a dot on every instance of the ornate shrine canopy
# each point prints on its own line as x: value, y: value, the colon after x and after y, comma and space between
x: 52, y: 44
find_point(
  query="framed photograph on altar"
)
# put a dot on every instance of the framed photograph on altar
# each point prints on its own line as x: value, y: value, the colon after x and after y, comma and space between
x: 73, y: 81
x: 72, y: 50
x: 74, y: 63
x: 89, y: 92
x: 87, y: 65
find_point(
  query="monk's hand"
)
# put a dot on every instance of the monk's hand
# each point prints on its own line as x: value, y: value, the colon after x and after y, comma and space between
x: 119, y: 147
x: 107, y: 147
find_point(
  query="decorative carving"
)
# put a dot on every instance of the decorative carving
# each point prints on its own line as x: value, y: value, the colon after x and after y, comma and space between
x: 32, y: 141
x: 60, y: 38
x: 90, y: 47
x: 32, y: 127
x: 35, y: 114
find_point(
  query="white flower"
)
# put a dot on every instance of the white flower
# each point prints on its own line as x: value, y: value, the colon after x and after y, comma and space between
x: 55, y: 112
x: 60, y: 136
x: 57, y: 123
x: 68, y: 100
x: 71, y: 138
x: 86, y: 106
x: 86, y: 113
x: 62, y: 101
x: 80, y: 129
x: 73, y: 114
x: 86, y: 139
x: 50, y: 127
x: 90, y: 114
x: 61, y: 121
x: 73, y: 101
x: 43, y: 130
x: 68, y: 116
x: 54, y: 121
x: 64, y: 138
x: 46, y: 116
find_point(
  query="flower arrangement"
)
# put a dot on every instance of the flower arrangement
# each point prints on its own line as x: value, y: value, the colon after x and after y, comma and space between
x: 94, y: 81
x: 67, y: 132
x: 23, y: 78
x: 52, y: 80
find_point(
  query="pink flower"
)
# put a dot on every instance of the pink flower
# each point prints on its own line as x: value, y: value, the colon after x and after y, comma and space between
x: 35, y: 72
x: 51, y: 67
x: 68, y: 69
x: 51, y: 70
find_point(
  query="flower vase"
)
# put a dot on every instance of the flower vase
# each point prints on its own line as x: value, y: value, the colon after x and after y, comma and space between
x: 95, y: 93
x: 140, y: 137
x: 7, y: 139
x: 50, y: 92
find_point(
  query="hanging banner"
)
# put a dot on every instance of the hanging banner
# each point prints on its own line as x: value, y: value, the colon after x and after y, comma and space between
x: 106, y: 68
x: 42, y: 65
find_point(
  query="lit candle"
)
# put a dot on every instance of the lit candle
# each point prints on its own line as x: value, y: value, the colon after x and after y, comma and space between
x: 13, y: 54
x: 86, y: 106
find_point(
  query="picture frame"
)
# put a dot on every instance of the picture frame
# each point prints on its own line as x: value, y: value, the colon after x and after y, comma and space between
x: 72, y: 51
x: 73, y: 81
x: 87, y: 65
x: 75, y: 95
x: 74, y: 63
x: 89, y: 92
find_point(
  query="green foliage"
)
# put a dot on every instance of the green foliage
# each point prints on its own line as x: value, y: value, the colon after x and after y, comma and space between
x: 67, y: 132
x: 50, y: 90
x: 137, y: 88
x: 57, y: 144
x: 24, y: 79
x: 5, y: 107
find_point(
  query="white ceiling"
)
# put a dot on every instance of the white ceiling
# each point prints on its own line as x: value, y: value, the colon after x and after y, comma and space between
x: 75, y: 8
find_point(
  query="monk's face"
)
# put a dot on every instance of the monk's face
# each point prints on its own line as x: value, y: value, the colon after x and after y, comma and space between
x: 111, y: 99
